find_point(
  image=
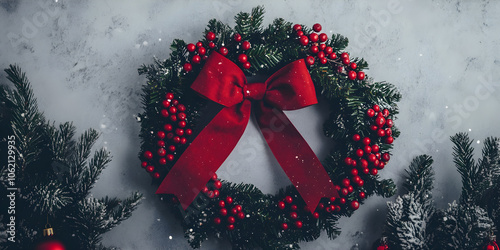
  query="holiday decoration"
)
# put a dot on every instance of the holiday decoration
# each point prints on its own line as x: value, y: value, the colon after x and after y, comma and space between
x: 51, y: 176
x: 413, y: 222
x: 198, y: 102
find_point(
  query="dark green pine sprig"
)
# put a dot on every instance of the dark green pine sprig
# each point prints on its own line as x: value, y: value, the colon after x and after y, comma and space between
x: 413, y: 221
x: 54, y: 176
x: 272, y: 47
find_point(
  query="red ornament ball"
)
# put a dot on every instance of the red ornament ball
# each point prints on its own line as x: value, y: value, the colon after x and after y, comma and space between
x: 317, y: 27
x: 187, y: 67
x: 51, y: 244
x: 189, y: 131
x: 363, y: 163
x: 300, y: 33
x: 210, y: 36
x: 223, y: 51
x: 162, y: 161
x: 344, y: 192
x: 322, y: 46
x: 245, y: 45
x: 374, y: 127
x: 237, y: 37
x: 166, y: 103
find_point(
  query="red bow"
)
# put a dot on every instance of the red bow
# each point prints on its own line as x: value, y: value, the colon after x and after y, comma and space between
x: 223, y: 82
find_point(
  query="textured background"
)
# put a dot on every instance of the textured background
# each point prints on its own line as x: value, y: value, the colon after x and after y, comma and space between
x: 82, y: 59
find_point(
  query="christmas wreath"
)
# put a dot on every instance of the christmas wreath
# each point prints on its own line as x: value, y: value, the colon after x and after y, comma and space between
x: 198, y: 102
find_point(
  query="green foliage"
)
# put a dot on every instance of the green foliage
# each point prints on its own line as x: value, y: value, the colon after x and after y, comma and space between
x: 54, y: 176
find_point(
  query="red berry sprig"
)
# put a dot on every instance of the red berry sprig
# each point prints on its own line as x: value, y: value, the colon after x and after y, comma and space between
x: 172, y: 135
x: 229, y: 213
x: 318, y: 51
x: 291, y: 211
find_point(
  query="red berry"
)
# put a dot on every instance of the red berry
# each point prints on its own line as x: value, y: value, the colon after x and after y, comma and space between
x: 350, y: 189
x: 346, y: 182
x: 381, y: 165
x: 217, y: 184
x: 242, y: 58
x: 237, y: 37
x: 352, y: 75
x: 386, y: 157
x: 346, y: 61
x: 344, y: 55
x: 361, y: 182
x: 245, y: 45
x: 356, y: 137
x: 354, y: 172
x: 150, y: 169
x: 310, y: 60
x: 376, y: 108
x: 217, y: 221
x: 354, y: 163
x: 297, y: 27
x: 370, y: 112
x: 169, y: 96
x: 173, y: 118
x: 356, y: 179
x: 189, y: 131
x: 304, y: 40
x: 313, y: 37
x: 323, y: 37
x: 329, y: 50
x: 167, y: 127
x: 196, y: 59
x: 229, y: 200
x: 284, y: 226
x: 187, y: 67
x: 363, y: 163
x: 165, y: 103
x: 380, y: 121
x: 281, y: 205
x: 375, y: 148
x: 372, y: 158
x: 171, y: 148
x: 300, y: 33
x: 359, y: 152
x: 223, y: 51
x: 216, y: 193
x: 191, y: 47
x: 241, y: 215
x: 353, y: 65
x: 322, y: 47
x: 321, y: 55
x: 148, y: 155
x: 211, y: 45
x: 172, y: 110
x: 314, y: 49
x: 183, y: 140
x: 385, y: 112
x: 388, y: 131
x: 230, y: 227
x: 293, y: 215
x: 378, y: 155
x: 182, y: 124
x: 179, y: 131
x: 144, y: 164
x: 176, y: 139
x: 344, y: 192
x: 374, y: 127
x: 342, y: 200
x: 210, y: 36
x: 381, y: 133
x: 389, y: 140
x: 222, y: 204
x: 288, y: 199
x: 348, y: 161
x: 175, y: 102
x: 199, y: 44
x: 223, y: 211
x: 202, y: 51
x: 332, y: 55
x: 234, y: 210
x: 321, y: 206
x: 361, y: 75
x: 315, y: 215
x: 246, y: 65
x: 354, y: 205
x: 362, y: 195
x: 368, y: 149
x: 298, y: 224
x: 340, y: 69
x: 373, y: 171
x: 389, y: 123
x: 317, y: 27
x: 323, y: 60
x: 231, y: 220
x: 170, y: 157
x: 162, y: 152
x: 332, y: 199
x: 170, y: 135
x: 366, y: 141
x: 162, y: 161
x: 161, y: 134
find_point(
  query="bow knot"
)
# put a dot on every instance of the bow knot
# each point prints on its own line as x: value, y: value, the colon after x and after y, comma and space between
x: 223, y: 82
x: 254, y: 91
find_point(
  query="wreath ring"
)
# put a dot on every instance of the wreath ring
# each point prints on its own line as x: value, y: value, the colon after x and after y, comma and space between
x: 360, y: 123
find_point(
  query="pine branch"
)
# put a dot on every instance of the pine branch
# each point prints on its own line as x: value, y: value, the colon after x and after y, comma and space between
x: 118, y: 210
x: 90, y: 174
x: 462, y: 157
x: 420, y: 178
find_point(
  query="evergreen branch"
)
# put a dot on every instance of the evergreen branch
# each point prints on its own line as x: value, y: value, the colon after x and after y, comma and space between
x: 48, y: 198
x: 420, y: 177
x: 118, y: 211
x: 462, y: 157
x: 61, y: 144
x: 90, y: 174
x: 79, y: 158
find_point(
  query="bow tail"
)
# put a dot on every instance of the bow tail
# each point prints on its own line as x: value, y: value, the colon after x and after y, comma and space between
x: 206, y: 154
x: 295, y: 156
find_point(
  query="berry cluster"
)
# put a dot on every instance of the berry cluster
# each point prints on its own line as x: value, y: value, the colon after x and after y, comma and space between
x: 287, y: 204
x: 319, y: 50
x: 211, y: 190
x: 199, y: 52
x: 230, y: 212
x: 173, y: 134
